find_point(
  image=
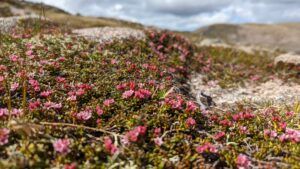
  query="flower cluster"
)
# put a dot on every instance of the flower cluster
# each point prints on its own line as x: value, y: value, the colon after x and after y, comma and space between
x: 4, y: 135
x: 62, y: 146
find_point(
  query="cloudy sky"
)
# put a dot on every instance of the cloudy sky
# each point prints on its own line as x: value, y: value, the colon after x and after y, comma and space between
x: 185, y: 14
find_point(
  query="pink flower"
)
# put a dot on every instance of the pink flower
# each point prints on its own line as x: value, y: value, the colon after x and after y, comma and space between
x: 132, y: 136
x: 121, y: 86
x: 254, y: 78
x: 290, y: 135
x: 16, y: 112
x: 290, y: 113
x: 283, y: 125
x: 191, y: 106
x: 70, y: 166
x: 3, y: 68
x: 46, y: 93
x: 35, y: 84
x: 127, y: 94
x: 142, y: 94
x: 14, y: 86
x: 207, y: 147
x: 243, y: 129
x: 1, y: 79
x: 34, y: 105
x: 219, y: 135
x: 175, y: 103
x: 114, y: 61
x: 60, y: 79
x: 84, y: 115
x: 157, y: 131
x: 62, y: 146
x: 158, y: 141
x: 14, y: 58
x: 108, y: 102
x: 225, y: 123
x: 190, y: 122
x: 48, y: 105
x: 109, y: 146
x: 80, y: 92
x: 3, y: 112
x: 29, y: 52
x: 4, y: 135
x: 99, y: 110
x: 243, y: 161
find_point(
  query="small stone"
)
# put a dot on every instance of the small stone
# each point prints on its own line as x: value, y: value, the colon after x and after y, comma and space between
x: 288, y: 58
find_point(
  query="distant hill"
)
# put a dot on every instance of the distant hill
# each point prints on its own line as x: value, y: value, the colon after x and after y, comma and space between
x: 18, y: 7
x: 285, y: 37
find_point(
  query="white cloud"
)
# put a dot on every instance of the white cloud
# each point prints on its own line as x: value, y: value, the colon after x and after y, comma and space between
x: 185, y: 14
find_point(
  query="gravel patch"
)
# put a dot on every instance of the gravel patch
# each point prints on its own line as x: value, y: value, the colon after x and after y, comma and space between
x: 105, y: 34
x: 8, y: 23
x: 275, y: 91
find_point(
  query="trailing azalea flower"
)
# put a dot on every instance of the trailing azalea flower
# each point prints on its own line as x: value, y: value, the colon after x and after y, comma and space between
x: 14, y: 86
x: 108, y: 102
x: 270, y: 133
x: 51, y: 105
x: 127, y: 94
x: 121, y: 86
x: 242, y: 116
x: 46, y: 93
x: 131, y: 85
x: 133, y: 135
x: 16, y: 112
x: 158, y: 141
x: 290, y: 113
x: 60, y: 79
x: 190, y: 122
x: 207, y: 147
x: 70, y: 166
x: 191, y: 106
x: 243, y: 130
x: 109, y: 146
x: 3, y: 112
x: 34, y: 105
x: 2, y: 79
x: 14, y: 58
x: 35, y: 84
x: 219, y: 135
x: 243, y: 161
x: 62, y: 146
x: 84, y: 115
x: 99, y: 111
x: 142, y: 94
x: 3, y: 68
x: 4, y: 135
x: 225, y: 123
x: 80, y: 92
x: 292, y: 135
x: 157, y: 131
x: 175, y: 103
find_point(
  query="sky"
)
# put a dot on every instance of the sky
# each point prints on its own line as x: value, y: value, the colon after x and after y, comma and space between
x: 185, y: 15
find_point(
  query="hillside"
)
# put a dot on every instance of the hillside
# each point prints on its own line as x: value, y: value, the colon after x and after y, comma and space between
x: 16, y: 7
x: 284, y: 37
x: 119, y: 97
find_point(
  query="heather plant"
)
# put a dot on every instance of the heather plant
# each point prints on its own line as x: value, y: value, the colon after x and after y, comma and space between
x: 68, y: 102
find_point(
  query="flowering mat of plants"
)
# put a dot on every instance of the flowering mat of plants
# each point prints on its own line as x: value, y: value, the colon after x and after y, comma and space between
x: 67, y: 102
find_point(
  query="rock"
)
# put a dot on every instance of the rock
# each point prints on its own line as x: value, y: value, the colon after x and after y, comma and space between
x: 213, y: 42
x: 275, y: 91
x: 8, y: 23
x: 288, y: 58
x: 104, y: 34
